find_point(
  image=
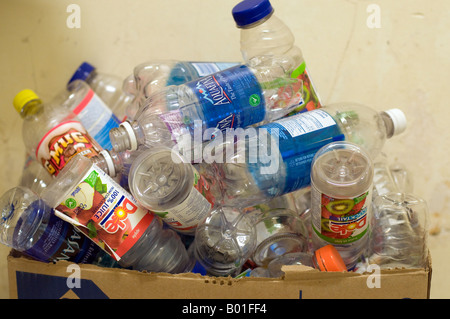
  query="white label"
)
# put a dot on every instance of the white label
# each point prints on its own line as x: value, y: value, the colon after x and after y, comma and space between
x: 307, y: 122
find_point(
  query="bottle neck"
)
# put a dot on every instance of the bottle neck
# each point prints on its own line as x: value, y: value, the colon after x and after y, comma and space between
x: 388, y: 123
x: 32, y: 108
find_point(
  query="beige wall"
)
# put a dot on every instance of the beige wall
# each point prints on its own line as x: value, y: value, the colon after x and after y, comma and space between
x: 404, y: 63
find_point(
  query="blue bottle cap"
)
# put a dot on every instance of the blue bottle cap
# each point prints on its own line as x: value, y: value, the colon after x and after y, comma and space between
x: 250, y: 11
x: 82, y: 73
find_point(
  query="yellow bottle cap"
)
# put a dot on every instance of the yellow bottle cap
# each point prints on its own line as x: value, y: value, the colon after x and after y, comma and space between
x: 24, y: 97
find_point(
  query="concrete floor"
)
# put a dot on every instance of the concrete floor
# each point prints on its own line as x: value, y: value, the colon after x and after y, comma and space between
x: 380, y: 53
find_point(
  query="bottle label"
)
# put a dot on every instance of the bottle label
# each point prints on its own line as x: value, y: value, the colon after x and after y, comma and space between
x: 193, y: 210
x: 340, y: 220
x: 228, y: 99
x: 108, y: 214
x: 299, y: 138
x: 311, y: 100
x: 62, y: 241
x: 62, y: 143
x: 184, y: 72
x: 97, y: 118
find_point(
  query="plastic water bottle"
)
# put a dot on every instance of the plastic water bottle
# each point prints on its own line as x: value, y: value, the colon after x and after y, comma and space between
x: 341, y: 197
x: 90, y: 109
x: 224, y: 241
x: 34, y: 175
x: 283, y: 150
x: 52, y: 135
x: 263, y: 36
x: 234, y: 98
x: 402, y: 177
x: 383, y: 181
x: 30, y: 226
x: 150, y: 77
x: 107, y: 86
x: 90, y: 199
x: 163, y: 182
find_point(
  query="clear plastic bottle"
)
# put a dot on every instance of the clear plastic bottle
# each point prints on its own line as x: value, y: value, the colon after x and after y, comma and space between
x: 402, y: 177
x: 161, y: 181
x: 233, y: 98
x: 30, y: 226
x: 285, y: 153
x: 87, y: 197
x: 383, y: 181
x: 90, y: 109
x: 34, y: 175
x: 150, y: 77
x: 263, y: 36
x: 224, y: 241
x: 341, y: 197
x: 107, y: 86
x: 52, y: 135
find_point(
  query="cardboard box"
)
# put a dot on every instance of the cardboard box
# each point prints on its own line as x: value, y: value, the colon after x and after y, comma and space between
x: 32, y: 279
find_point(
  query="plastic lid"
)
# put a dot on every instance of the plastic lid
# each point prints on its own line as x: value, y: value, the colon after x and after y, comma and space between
x: 250, y: 11
x: 24, y: 97
x: 329, y: 259
x: 398, y: 119
x: 83, y: 72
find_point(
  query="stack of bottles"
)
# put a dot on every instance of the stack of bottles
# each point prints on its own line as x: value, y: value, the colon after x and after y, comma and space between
x: 146, y: 171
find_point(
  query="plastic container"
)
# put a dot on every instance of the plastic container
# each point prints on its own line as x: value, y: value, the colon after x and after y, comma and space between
x: 107, y: 86
x: 265, y: 38
x: 30, y: 226
x: 87, y: 197
x: 52, y: 135
x: 283, y: 150
x: 234, y: 98
x: 341, y: 196
x: 34, y: 175
x: 153, y: 76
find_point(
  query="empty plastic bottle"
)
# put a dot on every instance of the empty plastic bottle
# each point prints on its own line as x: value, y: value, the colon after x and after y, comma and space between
x: 150, y: 77
x: 341, y: 197
x: 52, y: 135
x: 264, y: 37
x: 90, y: 199
x: 34, y: 175
x: 107, y: 86
x: 234, y: 98
x: 30, y: 226
x: 278, y: 156
x: 224, y: 241
x: 402, y: 177
x: 161, y: 181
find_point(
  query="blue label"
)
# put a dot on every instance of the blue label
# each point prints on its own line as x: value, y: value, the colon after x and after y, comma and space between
x: 228, y: 99
x: 183, y: 72
x: 102, y: 137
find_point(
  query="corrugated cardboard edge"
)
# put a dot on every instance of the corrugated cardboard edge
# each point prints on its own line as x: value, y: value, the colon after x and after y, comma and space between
x: 298, y: 282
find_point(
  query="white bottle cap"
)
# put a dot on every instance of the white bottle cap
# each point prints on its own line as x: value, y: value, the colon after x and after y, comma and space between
x: 109, y: 163
x: 131, y: 134
x: 398, y: 119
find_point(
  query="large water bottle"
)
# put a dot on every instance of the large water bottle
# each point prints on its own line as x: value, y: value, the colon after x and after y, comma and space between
x: 30, y: 226
x: 53, y: 135
x: 278, y: 155
x: 87, y: 197
x: 151, y: 77
x: 107, y: 86
x: 341, y: 197
x: 263, y: 36
x: 234, y: 98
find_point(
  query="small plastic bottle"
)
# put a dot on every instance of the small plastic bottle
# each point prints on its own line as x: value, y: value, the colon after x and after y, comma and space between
x: 52, y: 135
x: 341, y: 196
x: 285, y: 149
x: 264, y: 37
x: 87, y: 197
x: 224, y: 241
x: 161, y: 181
x: 237, y: 97
x: 107, y: 86
x: 153, y: 76
x: 30, y: 226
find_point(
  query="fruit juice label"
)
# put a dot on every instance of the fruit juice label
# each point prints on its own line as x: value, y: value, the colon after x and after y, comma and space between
x: 105, y: 212
x: 62, y: 143
x: 341, y: 220
x: 311, y: 100
x: 97, y: 118
x: 193, y: 210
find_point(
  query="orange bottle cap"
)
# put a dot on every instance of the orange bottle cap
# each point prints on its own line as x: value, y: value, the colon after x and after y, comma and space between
x: 329, y: 259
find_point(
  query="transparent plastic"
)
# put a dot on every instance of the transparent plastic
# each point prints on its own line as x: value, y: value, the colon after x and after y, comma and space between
x: 155, y: 123
x: 29, y: 225
x: 341, y: 195
x: 290, y: 144
x: 34, y: 175
x: 224, y: 242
